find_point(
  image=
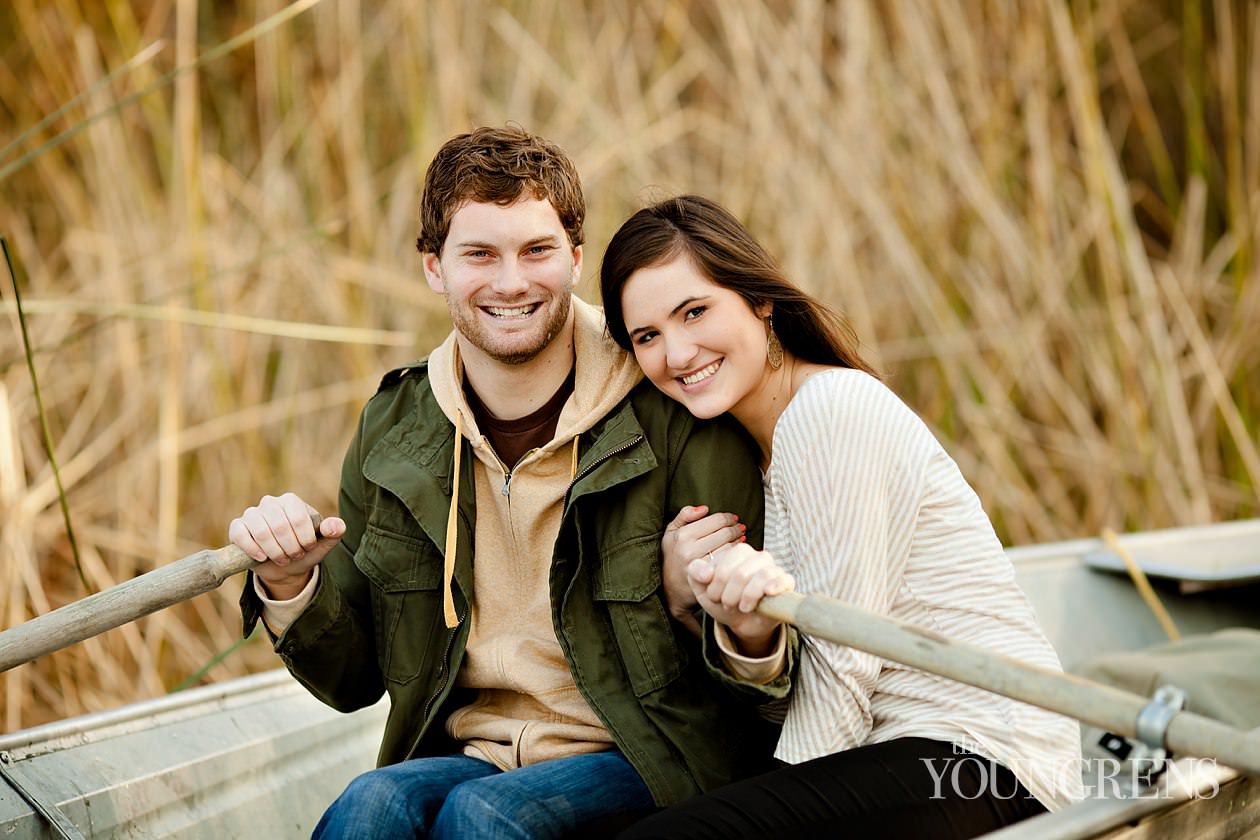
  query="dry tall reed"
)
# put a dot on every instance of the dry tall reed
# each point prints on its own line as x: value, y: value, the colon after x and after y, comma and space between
x: 1044, y: 235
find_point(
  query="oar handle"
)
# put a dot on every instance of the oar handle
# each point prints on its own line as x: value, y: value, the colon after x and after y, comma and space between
x: 1105, y: 706
x: 185, y: 578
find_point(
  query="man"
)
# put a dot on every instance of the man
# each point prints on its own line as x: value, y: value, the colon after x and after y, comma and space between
x: 496, y: 565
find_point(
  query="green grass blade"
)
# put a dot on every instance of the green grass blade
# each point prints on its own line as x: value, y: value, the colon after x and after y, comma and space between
x: 43, y: 418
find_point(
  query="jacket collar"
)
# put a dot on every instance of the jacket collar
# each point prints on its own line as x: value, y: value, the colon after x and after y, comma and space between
x: 604, y: 375
x: 620, y: 433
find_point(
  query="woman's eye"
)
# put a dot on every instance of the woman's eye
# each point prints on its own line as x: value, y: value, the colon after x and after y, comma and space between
x: 695, y: 312
x: 644, y: 337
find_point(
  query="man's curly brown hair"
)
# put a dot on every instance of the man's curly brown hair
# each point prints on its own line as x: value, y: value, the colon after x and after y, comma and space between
x: 498, y: 165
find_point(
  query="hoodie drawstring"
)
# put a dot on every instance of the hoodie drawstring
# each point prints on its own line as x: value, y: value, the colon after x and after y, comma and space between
x: 448, y: 565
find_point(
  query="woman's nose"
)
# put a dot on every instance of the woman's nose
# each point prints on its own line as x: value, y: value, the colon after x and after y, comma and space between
x: 679, y: 352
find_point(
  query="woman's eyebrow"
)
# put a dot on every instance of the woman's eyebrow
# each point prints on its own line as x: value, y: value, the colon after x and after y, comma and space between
x: 685, y: 303
x: 681, y: 306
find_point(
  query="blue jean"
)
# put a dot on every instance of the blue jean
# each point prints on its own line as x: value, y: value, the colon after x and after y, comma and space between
x: 457, y: 796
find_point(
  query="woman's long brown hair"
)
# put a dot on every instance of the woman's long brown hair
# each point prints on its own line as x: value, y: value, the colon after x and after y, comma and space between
x: 725, y: 252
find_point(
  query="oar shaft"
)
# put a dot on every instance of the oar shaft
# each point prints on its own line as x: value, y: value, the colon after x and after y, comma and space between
x: 178, y: 581
x: 1110, y: 708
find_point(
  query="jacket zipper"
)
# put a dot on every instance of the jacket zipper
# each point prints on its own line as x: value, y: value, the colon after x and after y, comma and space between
x: 582, y: 473
x: 618, y: 738
x: 445, y: 670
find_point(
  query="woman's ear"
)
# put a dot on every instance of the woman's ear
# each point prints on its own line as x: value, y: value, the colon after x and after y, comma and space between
x: 764, y: 310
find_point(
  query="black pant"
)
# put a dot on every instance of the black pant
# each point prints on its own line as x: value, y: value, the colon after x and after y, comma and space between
x: 910, y: 787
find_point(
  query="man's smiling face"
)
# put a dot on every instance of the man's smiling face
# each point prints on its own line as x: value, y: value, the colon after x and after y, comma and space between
x: 508, y: 273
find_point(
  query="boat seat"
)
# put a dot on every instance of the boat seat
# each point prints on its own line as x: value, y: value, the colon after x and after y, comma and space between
x: 1220, y: 673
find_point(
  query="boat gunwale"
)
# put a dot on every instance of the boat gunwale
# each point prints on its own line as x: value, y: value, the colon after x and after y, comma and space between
x: 1077, y: 548
x: 1095, y: 816
x: 145, y: 714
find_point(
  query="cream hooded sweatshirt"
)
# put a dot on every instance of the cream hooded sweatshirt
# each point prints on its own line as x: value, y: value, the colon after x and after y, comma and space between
x: 527, y: 708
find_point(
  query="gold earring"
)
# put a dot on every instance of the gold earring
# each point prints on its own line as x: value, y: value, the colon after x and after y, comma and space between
x: 774, y: 349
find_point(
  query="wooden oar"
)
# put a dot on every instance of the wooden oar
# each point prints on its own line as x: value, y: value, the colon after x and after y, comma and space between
x: 1105, y: 706
x: 185, y: 578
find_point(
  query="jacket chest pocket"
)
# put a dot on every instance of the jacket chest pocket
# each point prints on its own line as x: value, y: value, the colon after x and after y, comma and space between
x: 628, y: 586
x: 406, y: 575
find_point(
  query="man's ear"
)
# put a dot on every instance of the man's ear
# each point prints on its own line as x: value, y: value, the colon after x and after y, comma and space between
x: 433, y: 272
x: 577, y: 264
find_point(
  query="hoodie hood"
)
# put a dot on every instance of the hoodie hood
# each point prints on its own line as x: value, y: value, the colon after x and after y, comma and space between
x: 604, y: 375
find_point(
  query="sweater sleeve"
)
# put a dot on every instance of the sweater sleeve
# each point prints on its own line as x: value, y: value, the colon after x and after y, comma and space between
x: 278, y: 615
x: 848, y: 473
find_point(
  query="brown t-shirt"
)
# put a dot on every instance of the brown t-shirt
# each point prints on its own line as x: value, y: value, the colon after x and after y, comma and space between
x: 511, y: 439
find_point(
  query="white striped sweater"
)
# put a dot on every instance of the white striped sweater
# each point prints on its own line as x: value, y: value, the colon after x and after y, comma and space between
x: 864, y: 505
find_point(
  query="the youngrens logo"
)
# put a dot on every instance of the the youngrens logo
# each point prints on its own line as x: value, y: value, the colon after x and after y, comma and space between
x: 970, y: 776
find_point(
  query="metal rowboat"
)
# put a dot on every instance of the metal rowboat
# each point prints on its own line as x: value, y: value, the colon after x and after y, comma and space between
x: 258, y: 757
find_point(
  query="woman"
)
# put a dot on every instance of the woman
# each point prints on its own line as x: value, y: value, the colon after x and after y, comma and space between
x: 863, y: 505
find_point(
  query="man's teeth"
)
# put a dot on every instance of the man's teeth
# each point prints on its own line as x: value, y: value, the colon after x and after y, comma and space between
x: 510, y: 312
x: 705, y: 373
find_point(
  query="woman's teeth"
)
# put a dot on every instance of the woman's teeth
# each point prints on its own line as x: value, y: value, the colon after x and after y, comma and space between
x: 702, y: 374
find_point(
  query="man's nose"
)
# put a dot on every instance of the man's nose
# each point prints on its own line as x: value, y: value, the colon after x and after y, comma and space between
x: 511, y: 279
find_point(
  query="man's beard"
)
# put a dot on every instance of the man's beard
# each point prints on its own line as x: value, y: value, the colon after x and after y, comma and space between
x: 508, y: 350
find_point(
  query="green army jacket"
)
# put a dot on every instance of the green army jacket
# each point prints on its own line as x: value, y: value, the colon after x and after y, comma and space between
x: 375, y: 624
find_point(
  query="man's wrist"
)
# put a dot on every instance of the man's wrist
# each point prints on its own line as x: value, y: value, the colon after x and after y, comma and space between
x: 284, y: 590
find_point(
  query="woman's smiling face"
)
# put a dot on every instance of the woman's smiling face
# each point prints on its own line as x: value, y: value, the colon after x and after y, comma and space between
x: 698, y: 342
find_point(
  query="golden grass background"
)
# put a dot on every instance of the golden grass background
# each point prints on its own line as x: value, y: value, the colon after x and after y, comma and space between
x: 1040, y: 216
